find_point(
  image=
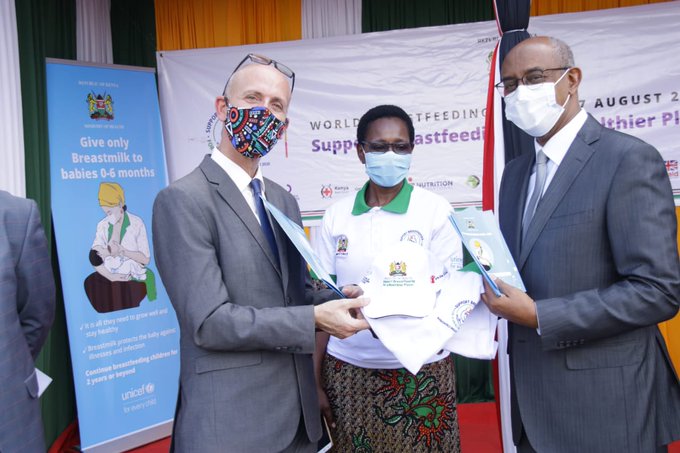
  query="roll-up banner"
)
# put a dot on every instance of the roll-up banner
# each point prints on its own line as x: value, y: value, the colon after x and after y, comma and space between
x: 439, y: 75
x: 107, y: 165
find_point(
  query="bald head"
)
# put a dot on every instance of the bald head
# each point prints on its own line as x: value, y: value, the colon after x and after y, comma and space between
x: 257, y: 85
x: 259, y: 78
x: 244, y: 71
x: 558, y: 52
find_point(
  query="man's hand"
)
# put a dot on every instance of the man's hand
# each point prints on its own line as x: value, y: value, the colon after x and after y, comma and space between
x: 341, y: 317
x: 513, y: 304
x: 352, y: 292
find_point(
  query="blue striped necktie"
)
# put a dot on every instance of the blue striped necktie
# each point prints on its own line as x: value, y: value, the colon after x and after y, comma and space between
x: 256, y: 185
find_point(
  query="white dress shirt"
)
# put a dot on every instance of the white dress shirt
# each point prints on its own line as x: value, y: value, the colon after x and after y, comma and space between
x: 241, y: 178
x: 555, y: 149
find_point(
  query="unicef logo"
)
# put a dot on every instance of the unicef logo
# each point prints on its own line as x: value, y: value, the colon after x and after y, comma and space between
x: 140, y: 391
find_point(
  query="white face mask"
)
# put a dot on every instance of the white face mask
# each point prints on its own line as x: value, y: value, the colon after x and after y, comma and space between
x: 534, y: 108
x: 114, y: 216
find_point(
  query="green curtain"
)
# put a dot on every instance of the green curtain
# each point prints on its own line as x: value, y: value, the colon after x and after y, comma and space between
x: 46, y: 28
x: 381, y: 15
x: 133, y: 32
x: 473, y: 380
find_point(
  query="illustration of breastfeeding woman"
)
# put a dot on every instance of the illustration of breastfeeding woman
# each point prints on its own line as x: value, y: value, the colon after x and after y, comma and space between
x: 120, y: 256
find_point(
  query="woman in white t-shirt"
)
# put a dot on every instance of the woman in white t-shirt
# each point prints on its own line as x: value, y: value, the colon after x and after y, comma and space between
x: 371, y: 402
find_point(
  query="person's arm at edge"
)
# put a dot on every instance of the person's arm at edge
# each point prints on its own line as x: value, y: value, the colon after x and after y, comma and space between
x: 35, y: 286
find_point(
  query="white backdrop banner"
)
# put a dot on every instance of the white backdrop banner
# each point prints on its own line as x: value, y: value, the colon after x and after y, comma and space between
x: 439, y: 75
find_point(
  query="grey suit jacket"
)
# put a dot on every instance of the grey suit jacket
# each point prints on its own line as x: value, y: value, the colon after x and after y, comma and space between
x: 246, y: 323
x: 600, y: 258
x: 27, y: 298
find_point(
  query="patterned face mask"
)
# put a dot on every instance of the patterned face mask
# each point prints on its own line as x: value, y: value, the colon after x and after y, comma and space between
x: 253, y: 131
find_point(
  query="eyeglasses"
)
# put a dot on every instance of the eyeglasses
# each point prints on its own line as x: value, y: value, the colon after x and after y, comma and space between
x: 529, y: 80
x: 382, y: 147
x: 266, y: 61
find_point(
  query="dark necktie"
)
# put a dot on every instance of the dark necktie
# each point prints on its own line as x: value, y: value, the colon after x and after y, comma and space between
x: 256, y: 185
x: 541, y: 175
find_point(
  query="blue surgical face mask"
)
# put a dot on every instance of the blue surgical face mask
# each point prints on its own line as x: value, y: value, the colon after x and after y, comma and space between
x: 387, y: 169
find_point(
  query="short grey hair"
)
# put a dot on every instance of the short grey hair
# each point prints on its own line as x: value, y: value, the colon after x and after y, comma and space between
x: 563, y: 52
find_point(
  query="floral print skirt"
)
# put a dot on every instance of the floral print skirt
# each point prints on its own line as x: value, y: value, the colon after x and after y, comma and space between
x: 392, y: 410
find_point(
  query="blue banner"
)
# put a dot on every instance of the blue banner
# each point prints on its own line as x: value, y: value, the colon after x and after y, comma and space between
x: 107, y: 165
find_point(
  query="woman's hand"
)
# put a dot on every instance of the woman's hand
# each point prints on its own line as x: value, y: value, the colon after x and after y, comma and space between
x: 325, y: 406
x: 114, y: 248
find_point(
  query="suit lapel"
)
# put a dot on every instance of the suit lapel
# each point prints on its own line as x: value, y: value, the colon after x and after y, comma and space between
x: 576, y: 158
x: 233, y: 197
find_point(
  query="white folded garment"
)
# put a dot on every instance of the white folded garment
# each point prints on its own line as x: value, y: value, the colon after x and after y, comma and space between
x: 403, y: 280
x: 476, y: 337
x: 472, y: 324
x: 413, y: 341
x: 417, y: 340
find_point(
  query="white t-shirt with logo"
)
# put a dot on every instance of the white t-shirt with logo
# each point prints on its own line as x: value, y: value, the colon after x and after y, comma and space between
x: 352, y: 234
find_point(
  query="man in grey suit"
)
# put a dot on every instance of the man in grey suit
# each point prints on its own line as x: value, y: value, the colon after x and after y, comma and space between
x: 27, y: 298
x: 242, y: 293
x: 596, y: 248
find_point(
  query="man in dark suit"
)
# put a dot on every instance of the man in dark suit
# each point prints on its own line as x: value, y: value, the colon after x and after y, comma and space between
x: 246, y: 308
x: 590, y: 220
x: 27, y: 298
